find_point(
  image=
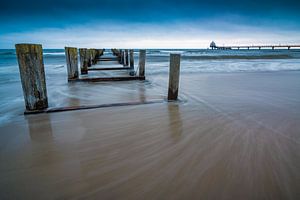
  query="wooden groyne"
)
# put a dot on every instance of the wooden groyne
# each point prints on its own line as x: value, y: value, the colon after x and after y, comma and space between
x: 30, y: 59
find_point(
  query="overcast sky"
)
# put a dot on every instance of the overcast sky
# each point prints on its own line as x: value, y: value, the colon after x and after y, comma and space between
x: 148, y: 24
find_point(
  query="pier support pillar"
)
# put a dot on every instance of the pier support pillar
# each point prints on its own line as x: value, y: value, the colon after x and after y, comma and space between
x: 72, y: 62
x: 32, y: 73
x: 84, y: 60
x: 142, y: 62
x: 174, y: 77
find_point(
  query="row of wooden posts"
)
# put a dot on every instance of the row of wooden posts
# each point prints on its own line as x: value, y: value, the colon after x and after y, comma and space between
x: 88, y: 57
x: 128, y: 60
x: 32, y: 73
x: 123, y: 56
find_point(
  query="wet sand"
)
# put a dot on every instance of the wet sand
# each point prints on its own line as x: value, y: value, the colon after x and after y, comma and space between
x: 232, y: 136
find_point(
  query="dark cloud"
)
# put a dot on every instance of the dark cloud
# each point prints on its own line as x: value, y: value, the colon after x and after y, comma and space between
x: 143, y: 10
x: 21, y: 15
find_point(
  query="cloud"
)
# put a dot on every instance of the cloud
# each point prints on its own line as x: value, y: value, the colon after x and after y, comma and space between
x: 140, y: 35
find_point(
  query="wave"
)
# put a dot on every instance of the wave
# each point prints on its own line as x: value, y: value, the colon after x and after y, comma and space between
x: 221, y: 57
x: 206, y: 54
x: 7, y: 53
x: 54, y: 53
x: 219, y: 66
x: 58, y: 67
x: 172, y: 51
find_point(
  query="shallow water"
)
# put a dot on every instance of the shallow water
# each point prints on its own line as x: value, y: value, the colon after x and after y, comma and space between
x: 233, y: 135
x: 198, y: 61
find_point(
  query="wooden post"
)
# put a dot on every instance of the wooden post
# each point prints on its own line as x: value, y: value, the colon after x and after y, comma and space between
x: 131, y: 59
x: 174, y: 76
x: 97, y: 54
x: 32, y: 73
x: 126, y: 57
x: 142, y: 62
x: 89, y: 57
x: 123, y: 58
x: 93, y: 56
x: 72, y: 62
x: 84, y: 60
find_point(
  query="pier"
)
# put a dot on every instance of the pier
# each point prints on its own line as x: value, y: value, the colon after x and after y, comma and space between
x: 259, y: 47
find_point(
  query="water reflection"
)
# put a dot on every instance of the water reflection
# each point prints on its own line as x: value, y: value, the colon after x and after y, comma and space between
x: 73, y: 99
x: 40, y: 128
x: 142, y: 92
x: 175, y: 121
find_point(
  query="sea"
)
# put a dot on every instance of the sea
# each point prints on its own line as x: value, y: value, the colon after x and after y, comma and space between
x: 193, y: 61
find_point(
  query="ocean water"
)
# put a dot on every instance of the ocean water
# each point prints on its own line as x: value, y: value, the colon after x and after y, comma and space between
x: 194, y: 61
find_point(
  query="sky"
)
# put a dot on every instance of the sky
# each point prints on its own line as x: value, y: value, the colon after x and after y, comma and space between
x: 148, y: 23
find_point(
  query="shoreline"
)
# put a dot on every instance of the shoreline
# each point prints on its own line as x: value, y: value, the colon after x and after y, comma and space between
x: 153, y: 88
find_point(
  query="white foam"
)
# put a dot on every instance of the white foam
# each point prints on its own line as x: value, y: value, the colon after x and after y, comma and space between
x: 226, y: 66
x: 54, y: 53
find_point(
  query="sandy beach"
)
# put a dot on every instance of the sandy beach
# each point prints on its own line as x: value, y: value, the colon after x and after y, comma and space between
x: 150, y: 100
x: 231, y: 136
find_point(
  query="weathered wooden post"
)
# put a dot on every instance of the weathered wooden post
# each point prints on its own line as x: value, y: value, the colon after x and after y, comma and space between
x: 174, y: 76
x: 32, y: 73
x: 126, y: 57
x: 89, y: 57
x: 120, y: 57
x: 93, y: 56
x: 123, y: 58
x: 72, y: 62
x: 131, y: 63
x: 142, y: 62
x: 84, y: 60
x: 116, y: 52
x: 97, y: 54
